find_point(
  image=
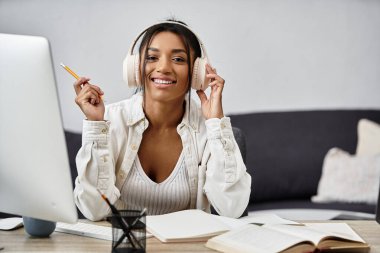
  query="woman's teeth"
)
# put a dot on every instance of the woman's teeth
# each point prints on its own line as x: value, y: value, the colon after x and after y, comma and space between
x: 160, y: 81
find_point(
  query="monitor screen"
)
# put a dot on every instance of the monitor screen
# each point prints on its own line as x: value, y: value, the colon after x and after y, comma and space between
x: 35, y: 178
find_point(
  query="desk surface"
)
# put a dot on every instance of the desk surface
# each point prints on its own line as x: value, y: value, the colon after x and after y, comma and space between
x: 19, y: 241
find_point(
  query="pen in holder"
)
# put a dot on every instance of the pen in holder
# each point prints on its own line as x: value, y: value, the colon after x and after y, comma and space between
x: 128, y: 229
x: 132, y: 239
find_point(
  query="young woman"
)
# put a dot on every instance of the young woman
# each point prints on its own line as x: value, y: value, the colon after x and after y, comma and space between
x: 159, y: 149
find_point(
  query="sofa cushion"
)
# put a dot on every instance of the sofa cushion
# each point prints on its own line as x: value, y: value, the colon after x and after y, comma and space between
x: 368, y: 138
x: 285, y: 150
x: 349, y: 178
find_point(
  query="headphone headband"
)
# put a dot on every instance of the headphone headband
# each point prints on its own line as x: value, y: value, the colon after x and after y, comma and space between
x: 203, y: 49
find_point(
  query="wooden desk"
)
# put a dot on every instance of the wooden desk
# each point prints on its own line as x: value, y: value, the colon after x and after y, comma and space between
x: 19, y: 241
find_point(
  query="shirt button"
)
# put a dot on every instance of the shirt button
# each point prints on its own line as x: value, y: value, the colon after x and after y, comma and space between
x: 133, y: 147
x: 104, y: 130
x: 121, y: 175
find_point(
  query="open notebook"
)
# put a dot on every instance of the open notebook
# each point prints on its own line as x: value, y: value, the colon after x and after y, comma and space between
x: 196, y: 225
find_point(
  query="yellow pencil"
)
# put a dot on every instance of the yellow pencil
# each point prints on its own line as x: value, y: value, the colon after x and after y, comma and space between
x: 70, y: 71
x: 74, y: 74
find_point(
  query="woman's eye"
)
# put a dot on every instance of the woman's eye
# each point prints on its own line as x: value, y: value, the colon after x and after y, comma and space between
x: 151, y: 58
x: 179, y: 59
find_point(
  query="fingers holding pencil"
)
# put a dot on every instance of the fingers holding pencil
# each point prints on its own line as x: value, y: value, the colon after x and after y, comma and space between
x: 89, y: 97
x: 89, y: 93
x: 83, y: 82
x: 79, y: 83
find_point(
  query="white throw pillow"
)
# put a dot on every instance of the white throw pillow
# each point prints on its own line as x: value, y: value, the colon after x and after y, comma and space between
x: 368, y: 138
x: 349, y: 178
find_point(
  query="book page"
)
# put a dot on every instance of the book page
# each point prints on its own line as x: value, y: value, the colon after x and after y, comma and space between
x: 316, y: 232
x: 259, y: 220
x: 267, y: 219
x: 254, y: 238
x: 299, y: 231
x: 342, y: 230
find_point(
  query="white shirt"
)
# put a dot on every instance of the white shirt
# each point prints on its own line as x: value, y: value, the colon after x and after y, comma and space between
x: 170, y: 195
x: 109, y: 149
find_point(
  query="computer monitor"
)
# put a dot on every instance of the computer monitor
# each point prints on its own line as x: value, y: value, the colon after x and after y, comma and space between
x: 35, y: 178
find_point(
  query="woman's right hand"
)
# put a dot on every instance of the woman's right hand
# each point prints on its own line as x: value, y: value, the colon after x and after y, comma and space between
x: 89, y: 99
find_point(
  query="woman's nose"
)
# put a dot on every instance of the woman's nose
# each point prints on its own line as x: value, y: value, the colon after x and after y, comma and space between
x: 163, y: 65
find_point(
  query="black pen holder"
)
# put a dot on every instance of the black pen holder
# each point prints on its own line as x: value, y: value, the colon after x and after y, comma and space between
x: 128, y: 231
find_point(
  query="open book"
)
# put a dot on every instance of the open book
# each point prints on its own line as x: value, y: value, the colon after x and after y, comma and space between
x: 196, y: 225
x: 312, y: 237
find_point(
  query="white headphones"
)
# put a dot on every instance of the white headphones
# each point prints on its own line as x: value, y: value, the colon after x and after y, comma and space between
x: 131, y: 64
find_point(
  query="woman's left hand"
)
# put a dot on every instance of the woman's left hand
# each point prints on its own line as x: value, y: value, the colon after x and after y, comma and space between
x: 212, y: 106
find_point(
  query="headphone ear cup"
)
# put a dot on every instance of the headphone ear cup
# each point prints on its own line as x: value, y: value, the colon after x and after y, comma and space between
x: 131, y: 70
x: 199, y: 81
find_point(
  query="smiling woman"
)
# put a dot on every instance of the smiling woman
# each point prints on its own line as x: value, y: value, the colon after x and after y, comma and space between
x: 166, y: 69
x: 158, y: 150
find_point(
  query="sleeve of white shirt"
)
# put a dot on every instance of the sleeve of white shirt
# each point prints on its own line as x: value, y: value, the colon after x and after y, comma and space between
x: 227, y: 185
x: 96, y: 170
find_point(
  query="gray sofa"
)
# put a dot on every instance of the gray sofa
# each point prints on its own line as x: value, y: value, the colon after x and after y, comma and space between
x: 285, y: 152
